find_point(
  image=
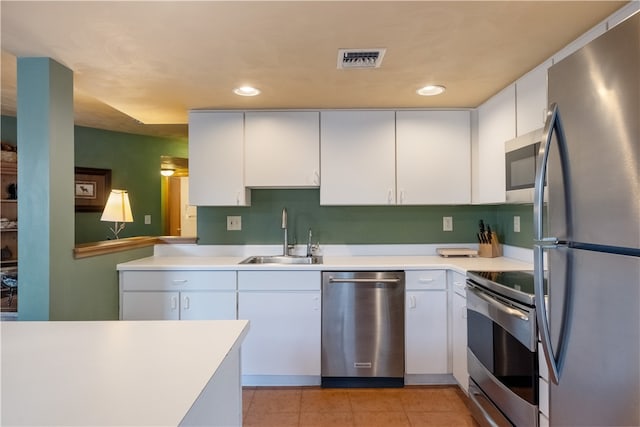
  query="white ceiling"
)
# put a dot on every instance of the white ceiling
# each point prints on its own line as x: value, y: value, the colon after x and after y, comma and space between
x: 139, y: 66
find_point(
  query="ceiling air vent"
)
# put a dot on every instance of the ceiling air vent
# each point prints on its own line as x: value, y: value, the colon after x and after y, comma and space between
x: 360, y: 58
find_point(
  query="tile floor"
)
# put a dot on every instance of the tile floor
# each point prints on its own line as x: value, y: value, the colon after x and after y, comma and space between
x: 315, y: 407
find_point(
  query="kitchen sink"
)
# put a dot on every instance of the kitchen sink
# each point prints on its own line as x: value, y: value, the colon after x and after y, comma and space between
x: 281, y: 259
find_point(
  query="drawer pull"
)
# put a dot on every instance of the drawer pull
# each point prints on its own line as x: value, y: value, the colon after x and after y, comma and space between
x: 425, y: 280
x: 179, y: 281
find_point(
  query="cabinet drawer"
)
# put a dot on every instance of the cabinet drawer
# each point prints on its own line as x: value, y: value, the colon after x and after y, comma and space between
x: 177, y: 280
x: 426, y: 279
x: 279, y: 280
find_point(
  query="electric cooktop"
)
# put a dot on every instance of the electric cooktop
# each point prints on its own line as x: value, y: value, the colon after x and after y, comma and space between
x: 517, y: 285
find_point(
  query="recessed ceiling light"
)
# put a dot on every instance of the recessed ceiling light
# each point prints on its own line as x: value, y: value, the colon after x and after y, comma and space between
x: 246, y: 91
x: 431, y: 90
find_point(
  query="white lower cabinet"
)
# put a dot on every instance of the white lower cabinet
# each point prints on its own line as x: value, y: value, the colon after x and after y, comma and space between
x: 177, y: 295
x: 283, y: 342
x: 426, y: 322
x: 459, y: 330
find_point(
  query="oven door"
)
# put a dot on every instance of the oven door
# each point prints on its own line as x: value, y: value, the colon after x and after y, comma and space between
x: 502, y: 353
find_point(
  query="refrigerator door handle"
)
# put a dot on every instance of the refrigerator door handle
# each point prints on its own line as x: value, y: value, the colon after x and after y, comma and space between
x: 553, y: 123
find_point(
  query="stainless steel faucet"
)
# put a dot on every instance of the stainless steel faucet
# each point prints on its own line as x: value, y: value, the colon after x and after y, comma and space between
x: 309, y: 244
x: 285, y: 244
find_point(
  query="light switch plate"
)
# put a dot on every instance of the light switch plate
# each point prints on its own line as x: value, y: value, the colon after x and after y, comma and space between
x: 234, y: 223
x: 447, y: 223
x: 516, y: 224
x: 147, y: 219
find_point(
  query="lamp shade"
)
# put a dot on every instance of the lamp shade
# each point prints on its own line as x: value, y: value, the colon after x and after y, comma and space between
x: 118, y: 208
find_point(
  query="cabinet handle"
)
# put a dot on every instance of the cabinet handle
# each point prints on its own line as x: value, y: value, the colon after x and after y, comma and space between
x: 316, y: 178
x: 186, y: 303
x: 412, y: 301
x: 401, y: 197
x: 179, y: 281
x: 425, y: 280
x: 238, y: 198
x: 390, y: 197
x: 174, y: 302
x: 316, y: 303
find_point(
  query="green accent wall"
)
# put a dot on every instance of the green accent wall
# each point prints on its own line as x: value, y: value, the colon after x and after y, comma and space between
x: 356, y: 224
x: 134, y: 161
x: 92, y: 292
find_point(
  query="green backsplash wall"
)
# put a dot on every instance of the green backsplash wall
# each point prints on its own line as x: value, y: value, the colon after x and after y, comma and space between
x: 355, y: 224
x: 504, y: 217
x: 134, y: 161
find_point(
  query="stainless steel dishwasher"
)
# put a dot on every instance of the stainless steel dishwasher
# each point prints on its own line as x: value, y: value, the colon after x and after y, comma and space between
x: 363, y: 329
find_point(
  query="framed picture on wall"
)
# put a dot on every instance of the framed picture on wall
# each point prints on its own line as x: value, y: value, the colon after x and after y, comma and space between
x: 92, y: 187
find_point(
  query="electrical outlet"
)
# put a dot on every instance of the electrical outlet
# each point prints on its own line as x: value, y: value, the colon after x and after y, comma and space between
x: 516, y: 224
x: 447, y: 223
x: 147, y: 219
x: 234, y: 223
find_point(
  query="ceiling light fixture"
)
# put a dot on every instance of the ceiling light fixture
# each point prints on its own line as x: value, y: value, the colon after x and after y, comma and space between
x: 246, y: 91
x: 431, y: 90
x: 167, y: 171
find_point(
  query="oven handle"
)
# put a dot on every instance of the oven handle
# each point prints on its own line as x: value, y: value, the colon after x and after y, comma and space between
x: 553, y: 123
x: 498, y: 305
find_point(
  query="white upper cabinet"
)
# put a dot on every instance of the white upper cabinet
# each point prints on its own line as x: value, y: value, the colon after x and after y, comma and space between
x: 433, y: 157
x: 282, y: 149
x: 531, y: 99
x: 216, y: 158
x: 496, y: 125
x: 357, y: 158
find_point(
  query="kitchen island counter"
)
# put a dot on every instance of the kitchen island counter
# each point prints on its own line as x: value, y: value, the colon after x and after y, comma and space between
x: 122, y: 373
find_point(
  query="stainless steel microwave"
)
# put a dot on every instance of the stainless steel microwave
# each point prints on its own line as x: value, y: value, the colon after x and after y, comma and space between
x: 520, y: 166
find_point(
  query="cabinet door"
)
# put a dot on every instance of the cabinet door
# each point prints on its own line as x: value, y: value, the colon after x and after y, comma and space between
x: 357, y: 158
x: 426, y: 332
x: 150, y: 306
x: 207, y: 305
x: 496, y: 125
x: 459, y: 320
x: 284, y: 337
x: 531, y: 99
x: 216, y: 159
x: 282, y: 149
x: 433, y: 157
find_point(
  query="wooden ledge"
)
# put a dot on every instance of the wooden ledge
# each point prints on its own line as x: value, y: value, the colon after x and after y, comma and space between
x: 85, y: 250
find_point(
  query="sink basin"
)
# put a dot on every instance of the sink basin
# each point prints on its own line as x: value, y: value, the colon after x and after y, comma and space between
x: 281, y: 259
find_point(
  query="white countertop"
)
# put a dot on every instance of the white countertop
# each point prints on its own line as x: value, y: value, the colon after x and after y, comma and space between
x: 413, y: 262
x: 110, y: 373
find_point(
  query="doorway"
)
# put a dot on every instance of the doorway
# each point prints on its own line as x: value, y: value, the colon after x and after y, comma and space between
x: 180, y: 217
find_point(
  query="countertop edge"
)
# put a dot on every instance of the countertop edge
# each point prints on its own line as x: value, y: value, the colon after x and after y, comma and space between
x: 346, y: 263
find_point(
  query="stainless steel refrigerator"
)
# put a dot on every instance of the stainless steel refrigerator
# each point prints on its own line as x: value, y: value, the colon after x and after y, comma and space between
x: 590, y: 232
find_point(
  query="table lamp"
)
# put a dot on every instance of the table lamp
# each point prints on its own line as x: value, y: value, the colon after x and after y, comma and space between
x: 118, y: 210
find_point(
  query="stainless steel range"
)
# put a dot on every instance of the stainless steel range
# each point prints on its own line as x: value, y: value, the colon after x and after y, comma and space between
x: 502, y: 348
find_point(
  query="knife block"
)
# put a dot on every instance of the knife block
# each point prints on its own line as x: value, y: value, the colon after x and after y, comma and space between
x: 490, y: 250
